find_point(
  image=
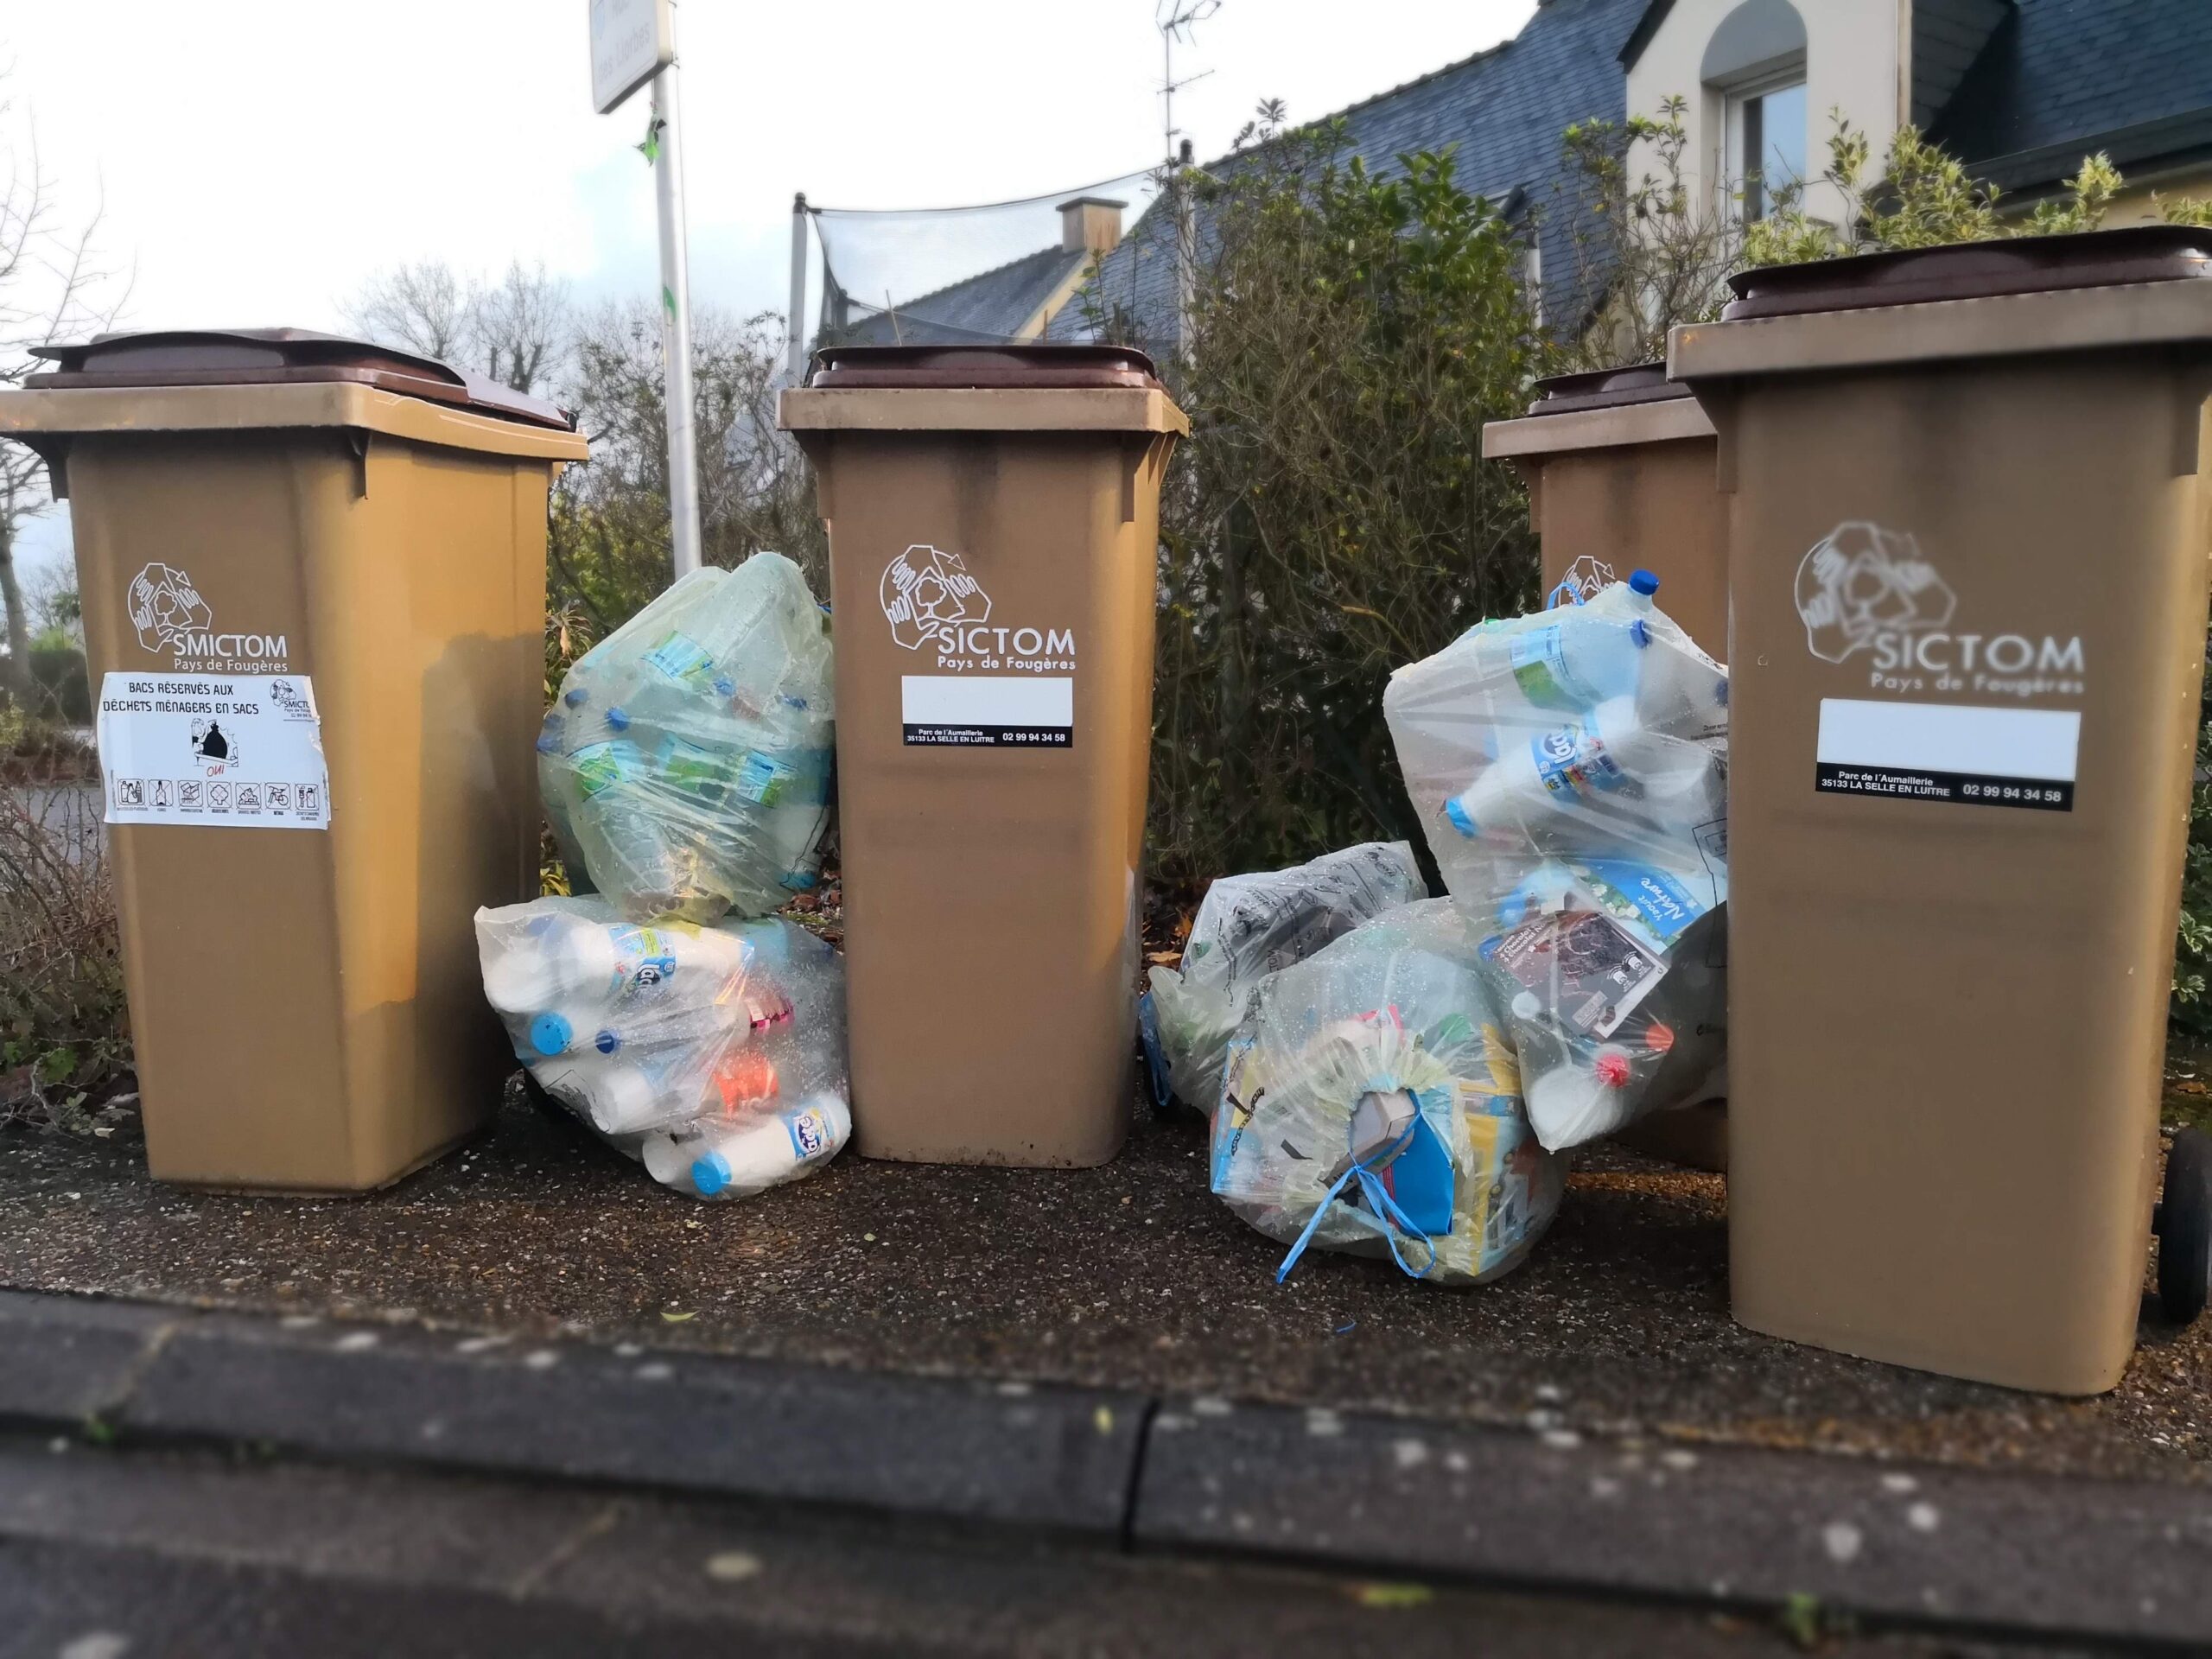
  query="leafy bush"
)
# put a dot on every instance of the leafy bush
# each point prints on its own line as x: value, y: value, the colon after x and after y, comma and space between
x: 1333, y: 518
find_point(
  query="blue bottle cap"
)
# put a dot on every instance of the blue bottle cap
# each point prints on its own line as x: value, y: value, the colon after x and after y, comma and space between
x: 1720, y: 691
x: 575, y: 697
x: 608, y: 1041
x: 1460, y: 820
x: 1643, y: 581
x: 549, y: 1034
x: 710, y: 1174
x: 619, y: 718
x: 725, y: 687
x: 549, y: 742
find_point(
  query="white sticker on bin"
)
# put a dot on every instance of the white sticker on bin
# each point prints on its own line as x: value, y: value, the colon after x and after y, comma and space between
x: 1949, y: 752
x: 218, y: 751
x: 988, y: 710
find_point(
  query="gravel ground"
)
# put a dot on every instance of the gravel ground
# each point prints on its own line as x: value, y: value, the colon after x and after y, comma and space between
x: 1131, y: 1275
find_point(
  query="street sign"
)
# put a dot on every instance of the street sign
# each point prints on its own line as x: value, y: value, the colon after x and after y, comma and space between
x: 632, y: 40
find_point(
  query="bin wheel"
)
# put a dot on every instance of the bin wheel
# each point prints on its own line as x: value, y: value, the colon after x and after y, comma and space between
x: 2184, y: 1224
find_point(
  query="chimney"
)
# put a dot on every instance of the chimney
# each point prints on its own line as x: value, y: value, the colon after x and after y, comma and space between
x: 1091, y: 222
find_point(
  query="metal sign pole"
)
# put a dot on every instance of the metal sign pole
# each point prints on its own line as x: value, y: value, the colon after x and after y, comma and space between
x: 796, y: 329
x: 676, y: 324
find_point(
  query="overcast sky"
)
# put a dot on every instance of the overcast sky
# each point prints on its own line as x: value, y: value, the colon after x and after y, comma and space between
x: 256, y: 160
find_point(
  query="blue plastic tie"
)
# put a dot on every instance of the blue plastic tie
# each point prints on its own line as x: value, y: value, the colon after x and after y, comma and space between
x: 1568, y: 587
x: 1379, y: 1199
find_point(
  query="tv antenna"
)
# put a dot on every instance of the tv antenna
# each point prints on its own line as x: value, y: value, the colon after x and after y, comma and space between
x: 1178, y: 21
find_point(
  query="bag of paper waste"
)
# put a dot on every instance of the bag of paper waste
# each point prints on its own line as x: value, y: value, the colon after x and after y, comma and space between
x: 1247, y: 927
x: 687, y: 756
x: 716, y: 1055
x: 1372, y: 1106
x: 1570, y: 769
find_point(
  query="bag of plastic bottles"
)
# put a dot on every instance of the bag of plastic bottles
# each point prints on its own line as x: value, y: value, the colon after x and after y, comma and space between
x: 688, y: 758
x: 1570, y: 768
x: 1249, y: 926
x: 1372, y: 1106
x: 715, y: 1056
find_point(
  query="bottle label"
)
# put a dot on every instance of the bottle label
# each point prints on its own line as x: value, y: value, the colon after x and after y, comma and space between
x: 809, y: 1133
x: 683, y: 658
x: 599, y: 765
x: 686, y: 767
x: 764, y: 778
x: 644, y: 955
x: 1573, y: 760
x: 794, y: 777
x: 1539, y: 662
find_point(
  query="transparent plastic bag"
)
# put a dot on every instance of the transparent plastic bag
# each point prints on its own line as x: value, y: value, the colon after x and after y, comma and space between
x: 688, y: 757
x: 1249, y: 926
x: 1570, y: 769
x: 713, y: 1055
x: 1372, y: 1106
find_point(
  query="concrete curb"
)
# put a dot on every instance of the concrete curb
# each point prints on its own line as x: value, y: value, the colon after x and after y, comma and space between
x: 1937, y: 1548
x: 2033, y: 1556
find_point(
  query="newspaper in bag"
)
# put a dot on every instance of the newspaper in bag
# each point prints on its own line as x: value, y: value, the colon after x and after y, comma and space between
x: 1372, y: 1106
x: 1249, y: 926
x: 1570, y: 770
x: 713, y: 1055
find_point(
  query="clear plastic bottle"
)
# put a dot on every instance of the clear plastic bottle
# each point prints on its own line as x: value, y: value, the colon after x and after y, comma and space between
x: 1608, y: 763
x: 1578, y: 656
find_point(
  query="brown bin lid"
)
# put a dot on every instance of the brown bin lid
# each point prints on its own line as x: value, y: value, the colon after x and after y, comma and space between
x: 1974, y: 270
x: 1639, y: 382
x: 1011, y: 367
x: 258, y: 356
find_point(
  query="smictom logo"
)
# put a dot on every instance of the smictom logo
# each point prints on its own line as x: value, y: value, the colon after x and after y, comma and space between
x: 1864, y: 592
x: 169, y: 615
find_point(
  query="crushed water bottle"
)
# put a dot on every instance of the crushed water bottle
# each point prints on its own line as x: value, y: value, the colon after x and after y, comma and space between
x: 713, y: 1055
x: 1570, y: 768
x: 687, y: 761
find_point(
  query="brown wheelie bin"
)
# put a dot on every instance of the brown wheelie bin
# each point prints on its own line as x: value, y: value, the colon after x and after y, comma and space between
x: 314, y: 581
x: 1967, y: 575
x: 993, y: 526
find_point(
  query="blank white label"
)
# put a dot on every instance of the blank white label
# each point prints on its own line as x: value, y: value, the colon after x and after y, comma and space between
x: 1949, y: 752
x: 988, y: 710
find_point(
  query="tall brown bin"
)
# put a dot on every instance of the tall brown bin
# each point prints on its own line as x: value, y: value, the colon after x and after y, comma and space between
x: 1619, y: 468
x: 314, y: 580
x: 1619, y: 465
x: 993, y: 524
x: 1968, y: 544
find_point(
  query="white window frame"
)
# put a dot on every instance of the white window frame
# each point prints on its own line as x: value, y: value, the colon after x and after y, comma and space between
x: 1737, y: 96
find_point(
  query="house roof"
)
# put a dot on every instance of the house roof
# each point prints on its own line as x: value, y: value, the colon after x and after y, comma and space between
x: 2019, y: 89
x: 1503, y: 111
x: 2060, y: 78
x: 990, y: 305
